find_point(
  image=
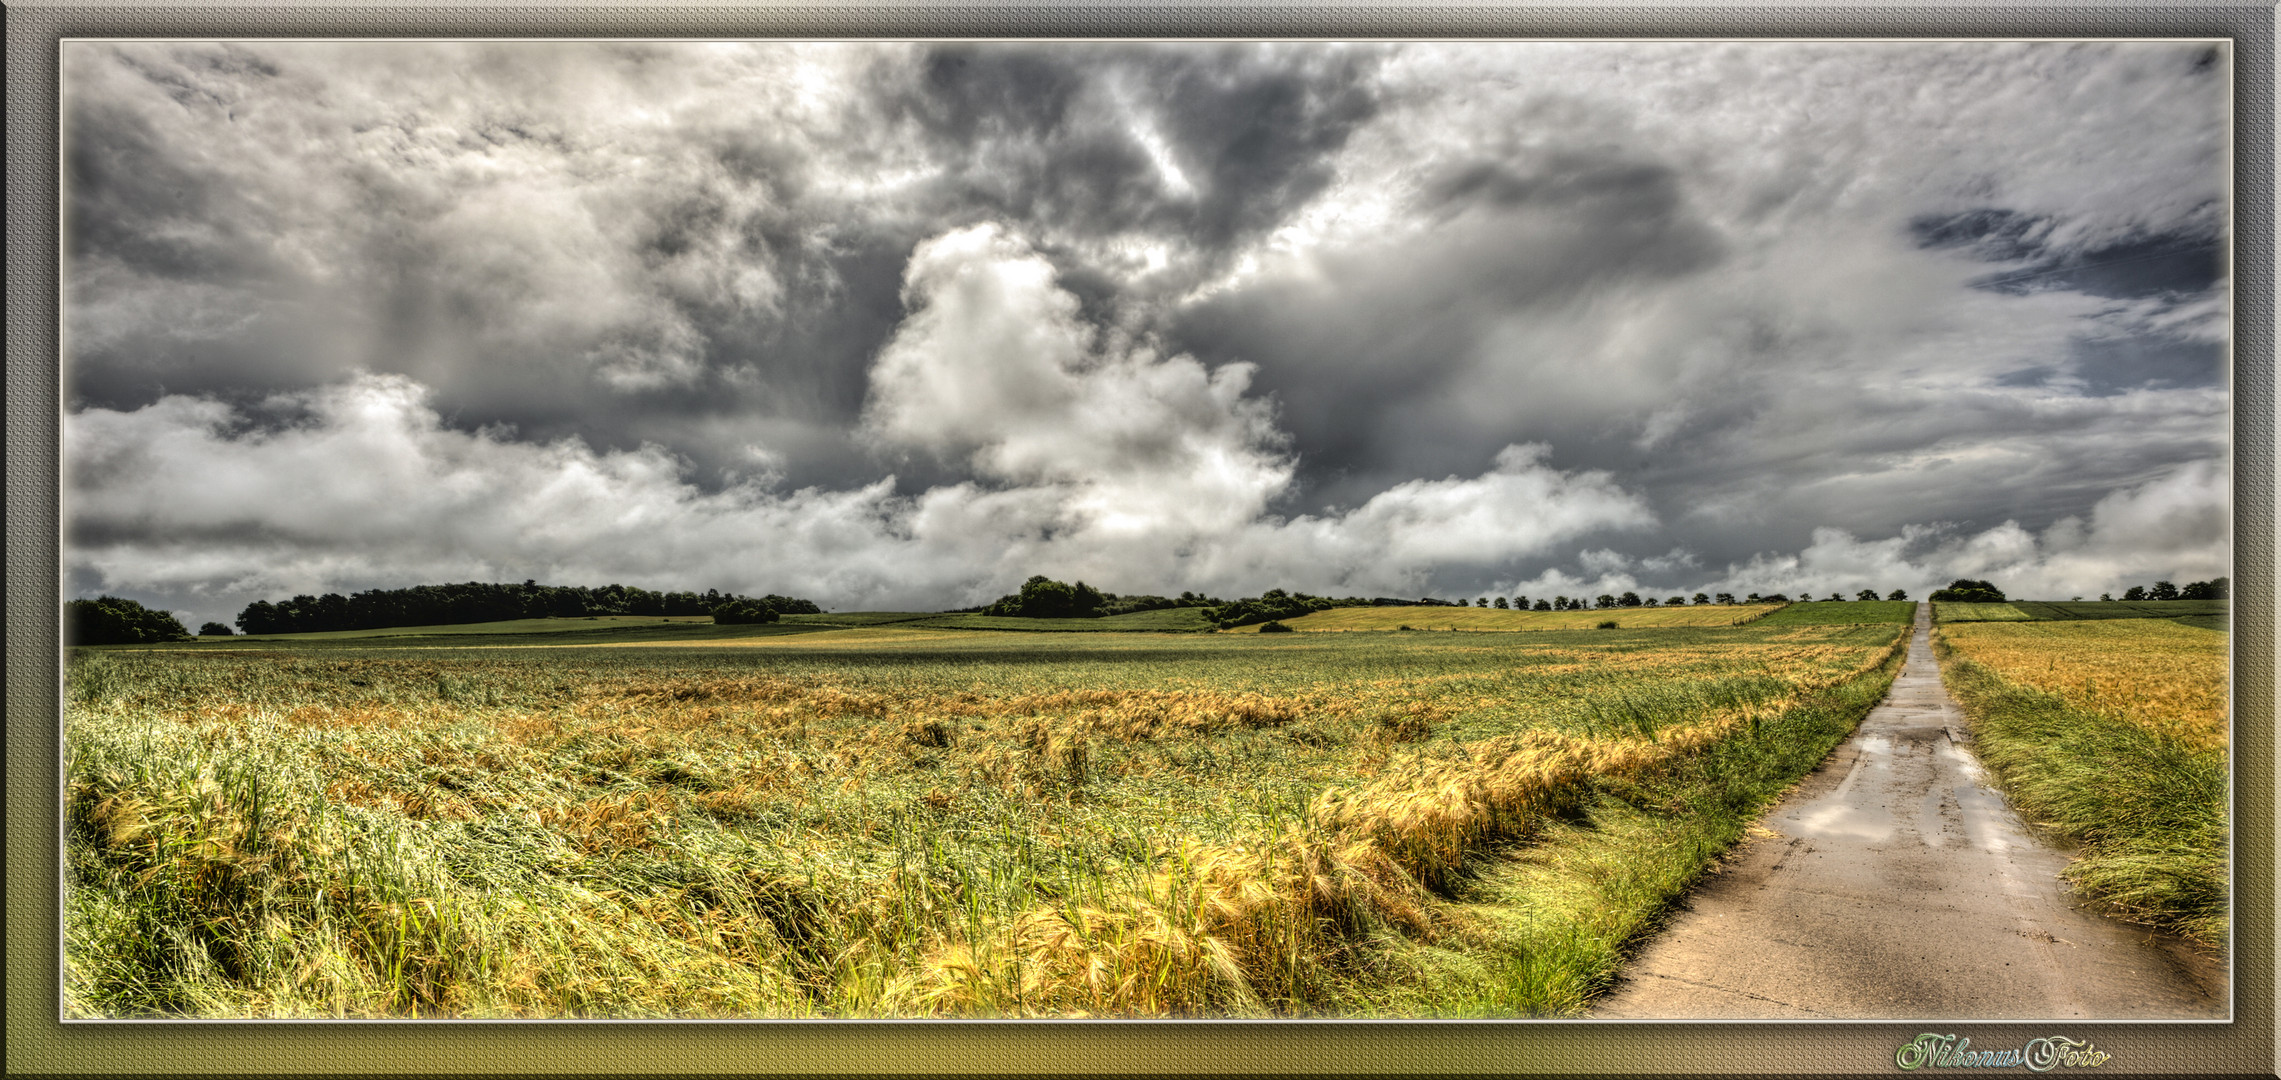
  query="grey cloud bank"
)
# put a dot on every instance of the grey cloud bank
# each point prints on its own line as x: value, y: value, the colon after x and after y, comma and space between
x: 897, y: 325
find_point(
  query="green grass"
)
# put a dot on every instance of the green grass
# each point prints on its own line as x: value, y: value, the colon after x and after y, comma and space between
x: 1839, y: 612
x: 2147, y: 811
x: 1188, y: 620
x: 1557, y: 918
x: 2119, y: 609
x: 861, y: 618
x: 1946, y: 611
x: 822, y: 822
x: 518, y: 633
x: 2203, y: 622
x: 587, y: 624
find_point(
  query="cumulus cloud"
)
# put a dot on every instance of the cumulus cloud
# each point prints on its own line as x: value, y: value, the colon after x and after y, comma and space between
x: 2177, y: 527
x: 1127, y: 468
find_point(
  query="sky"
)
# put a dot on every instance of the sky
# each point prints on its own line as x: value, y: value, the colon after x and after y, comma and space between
x: 895, y: 326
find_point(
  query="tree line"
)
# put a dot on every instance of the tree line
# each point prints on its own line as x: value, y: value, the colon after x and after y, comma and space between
x: 1632, y: 600
x: 112, y: 620
x: 474, y: 602
x: 2219, y: 588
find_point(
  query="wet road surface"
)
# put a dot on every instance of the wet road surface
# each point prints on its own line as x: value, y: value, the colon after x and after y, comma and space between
x: 1897, y: 884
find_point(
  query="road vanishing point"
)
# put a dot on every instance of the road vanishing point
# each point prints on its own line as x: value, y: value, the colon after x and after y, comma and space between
x: 1894, y: 883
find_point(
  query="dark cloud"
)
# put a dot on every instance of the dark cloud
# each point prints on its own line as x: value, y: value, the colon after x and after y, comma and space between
x: 1362, y: 357
x: 1059, y: 135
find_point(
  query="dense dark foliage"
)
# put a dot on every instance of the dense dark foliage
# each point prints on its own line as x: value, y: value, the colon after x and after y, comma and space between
x: 1044, y: 598
x: 2214, y: 589
x: 744, y: 612
x: 474, y: 602
x: 215, y: 629
x: 111, y: 620
x: 1277, y: 604
x: 1968, y: 591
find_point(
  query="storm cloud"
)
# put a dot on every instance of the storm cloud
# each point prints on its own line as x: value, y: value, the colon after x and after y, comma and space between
x: 899, y: 324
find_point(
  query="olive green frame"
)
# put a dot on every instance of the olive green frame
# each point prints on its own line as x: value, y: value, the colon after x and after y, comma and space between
x: 39, y: 1043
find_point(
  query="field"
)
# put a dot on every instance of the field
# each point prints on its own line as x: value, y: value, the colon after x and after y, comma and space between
x: 2152, y: 672
x: 1842, y: 612
x: 1462, y: 618
x: 900, y: 820
x: 1949, y: 612
x: 2120, y: 609
x: 2208, y: 614
x: 2111, y: 732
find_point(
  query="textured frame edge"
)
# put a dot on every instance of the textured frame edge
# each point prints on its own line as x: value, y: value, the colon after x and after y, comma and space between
x: 2250, y: 1044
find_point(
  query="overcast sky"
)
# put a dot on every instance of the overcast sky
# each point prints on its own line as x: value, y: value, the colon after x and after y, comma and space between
x: 895, y: 326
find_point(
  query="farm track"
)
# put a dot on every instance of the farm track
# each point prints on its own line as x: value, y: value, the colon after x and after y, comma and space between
x: 1894, y: 883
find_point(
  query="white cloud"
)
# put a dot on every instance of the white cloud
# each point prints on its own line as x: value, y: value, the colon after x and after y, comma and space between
x: 1128, y: 469
x: 2176, y: 527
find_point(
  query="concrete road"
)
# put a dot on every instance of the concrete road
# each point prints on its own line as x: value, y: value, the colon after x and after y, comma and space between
x: 1894, y: 883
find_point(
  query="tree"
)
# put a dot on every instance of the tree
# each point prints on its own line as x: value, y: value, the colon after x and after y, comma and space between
x: 2213, y: 589
x: 1897, y: 594
x: 2134, y: 593
x: 1729, y: 598
x: 1629, y: 599
x: 1044, y: 598
x: 215, y: 629
x: 744, y: 613
x: 1500, y: 603
x: 1543, y: 605
x: 2163, y: 590
x: 2107, y: 597
x: 1604, y: 601
x: 1559, y: 603
x: 113, y: 620
x: 1483, y: 601
x: 1704, y: 598
x: 1520, y: 603
x: 1968, y: 591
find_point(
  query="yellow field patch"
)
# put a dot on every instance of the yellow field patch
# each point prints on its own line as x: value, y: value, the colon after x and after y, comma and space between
x: 1948, y: 611
x: 2150, y: 671
x: 1491, y: 619
x: 820, y: 639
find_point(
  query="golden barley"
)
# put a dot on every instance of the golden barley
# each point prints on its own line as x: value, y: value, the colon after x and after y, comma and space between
x: 2150, y: 671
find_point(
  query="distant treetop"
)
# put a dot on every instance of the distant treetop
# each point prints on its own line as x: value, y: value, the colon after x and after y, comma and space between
x: 1968, y: 591
x: 112, y: 620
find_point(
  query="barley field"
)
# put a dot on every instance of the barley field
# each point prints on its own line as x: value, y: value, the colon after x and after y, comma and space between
x: 2111, y: 733
x: 891, y: 821
x: 2151, y: 672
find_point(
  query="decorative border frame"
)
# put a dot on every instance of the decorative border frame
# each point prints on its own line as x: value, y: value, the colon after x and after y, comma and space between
x: 38, y: 1043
